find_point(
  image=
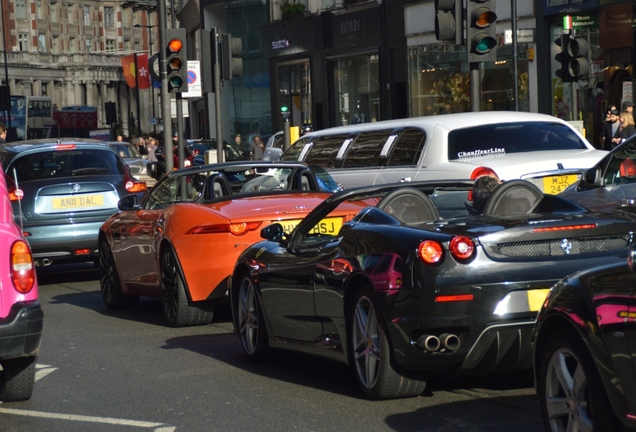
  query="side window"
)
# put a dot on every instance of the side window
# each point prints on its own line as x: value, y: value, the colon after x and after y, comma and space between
x: 325, y: 149
x: 294, y: 150
x: 163, y: 194
x: 622, y: 166
x: 365, y: 151
x: 408, y: 149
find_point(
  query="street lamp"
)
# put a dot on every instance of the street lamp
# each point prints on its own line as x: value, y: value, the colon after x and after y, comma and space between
x: 152, y: 88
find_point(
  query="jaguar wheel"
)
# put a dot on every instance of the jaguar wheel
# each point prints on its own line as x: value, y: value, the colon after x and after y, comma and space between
x: 250, y: 322
x: 109, y: 283
x: 176, y: 307
x: 570, y: 392
x: 370, y: 351
x: 17, y: 379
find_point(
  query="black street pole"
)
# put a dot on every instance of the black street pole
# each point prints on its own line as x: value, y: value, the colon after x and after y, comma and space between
x: 6, y: 67
x: 166, y: 112
x: 152, y: 87
x: 138, y: 122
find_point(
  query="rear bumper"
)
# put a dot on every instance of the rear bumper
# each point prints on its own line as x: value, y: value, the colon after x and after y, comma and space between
x: 21, y: 330
x: 59, y: 243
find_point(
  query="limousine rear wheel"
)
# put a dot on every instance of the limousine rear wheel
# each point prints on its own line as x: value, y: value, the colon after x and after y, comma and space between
x: 370, y: 351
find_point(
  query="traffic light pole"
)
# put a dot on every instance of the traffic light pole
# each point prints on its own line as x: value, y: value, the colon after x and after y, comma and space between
x: 217, y: 98
x: 475, y: 87
x: 166, y: 113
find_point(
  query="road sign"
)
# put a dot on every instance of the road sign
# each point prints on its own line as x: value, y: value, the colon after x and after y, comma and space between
x: 194, y: 79
x: 154, y: 120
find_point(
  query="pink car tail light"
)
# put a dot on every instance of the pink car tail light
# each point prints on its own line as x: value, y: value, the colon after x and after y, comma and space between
x: 461, y: 247
x: 22, y: 268
x: 237, y: 229
x: 430, y: 251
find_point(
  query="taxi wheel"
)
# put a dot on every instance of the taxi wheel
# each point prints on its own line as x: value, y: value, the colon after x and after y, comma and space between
x: 176, y: 307
x: 109, y: 282
x: 370, y: 351
x: 17, y: 378
x: 571, y: 395
x: 250, y: 323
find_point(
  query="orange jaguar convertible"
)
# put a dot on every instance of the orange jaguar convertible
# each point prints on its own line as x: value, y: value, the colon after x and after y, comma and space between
x: 181, y: 241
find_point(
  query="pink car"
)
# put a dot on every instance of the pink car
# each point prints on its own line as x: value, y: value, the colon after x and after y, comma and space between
x: 20, y: 311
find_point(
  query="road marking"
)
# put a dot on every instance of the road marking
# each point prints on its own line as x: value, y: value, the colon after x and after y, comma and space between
x: 43, y: 370
x: 91, y: 419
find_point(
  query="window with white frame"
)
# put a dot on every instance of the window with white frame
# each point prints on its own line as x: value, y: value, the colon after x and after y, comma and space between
x: 87, y: 15
x: 71, y: 14
x: 42, y: 43
x: 109, y: 19
x: 20, y: 9
x: 55, y: 47
x: 73, y: 45
x: 39, y: 9
x: 89, y: 43
x: 54, y: 14
x: 23, y: 41
x: 110, y: 44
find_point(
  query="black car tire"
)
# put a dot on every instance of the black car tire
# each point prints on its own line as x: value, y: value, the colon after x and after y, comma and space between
x: 370, y: 353
x: 568, y: 380
x: 176, y: 307
x: 109, y: 283
x: 250, y: 323
x: 17, y: 379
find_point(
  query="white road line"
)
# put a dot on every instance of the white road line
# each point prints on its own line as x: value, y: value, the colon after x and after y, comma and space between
x: 91, y: 419
x: 43, y: 370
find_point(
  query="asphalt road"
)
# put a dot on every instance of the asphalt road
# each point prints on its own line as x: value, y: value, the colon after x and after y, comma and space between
x: 102, y: 370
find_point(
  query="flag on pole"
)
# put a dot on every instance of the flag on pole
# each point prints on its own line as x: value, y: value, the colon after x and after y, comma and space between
x: 130, y: 70
x: 144, y: 74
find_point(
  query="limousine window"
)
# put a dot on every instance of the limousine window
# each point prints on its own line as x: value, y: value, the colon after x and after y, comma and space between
x: 324, y: 151
x: 497, y: 140
x: 294, y: 151
x: 408, y: 149
x: 365, y: 151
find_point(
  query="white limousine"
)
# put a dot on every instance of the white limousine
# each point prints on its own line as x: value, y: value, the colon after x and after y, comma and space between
x: 540, y: 148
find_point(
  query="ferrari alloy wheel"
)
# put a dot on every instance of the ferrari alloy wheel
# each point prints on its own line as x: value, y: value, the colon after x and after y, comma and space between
x: 176, y: 307
x: 17, y: 379
x: 250, y: 321
x: 109, y: 283
x: 371, y: 354
x: 570, y: 392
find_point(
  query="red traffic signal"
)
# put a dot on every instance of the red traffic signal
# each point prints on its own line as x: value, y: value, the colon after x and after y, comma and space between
x: 177, y: 61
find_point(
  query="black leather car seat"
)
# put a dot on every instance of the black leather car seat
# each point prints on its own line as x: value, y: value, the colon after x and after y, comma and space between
x: 514, y: 197
x: 410, y: 206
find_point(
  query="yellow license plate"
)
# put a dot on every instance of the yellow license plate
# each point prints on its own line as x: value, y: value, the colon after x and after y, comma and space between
x: 329, y: 226
x: 536, y: 298
x: 557, y: 184
x: 77, y: 202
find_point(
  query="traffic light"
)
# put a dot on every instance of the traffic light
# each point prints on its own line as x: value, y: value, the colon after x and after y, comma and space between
x: 176, y: 60
x: 449, y: 25
x: 577, y: 50
x: 563, y: 57
x: 481, y: 31
x: 231, y: 52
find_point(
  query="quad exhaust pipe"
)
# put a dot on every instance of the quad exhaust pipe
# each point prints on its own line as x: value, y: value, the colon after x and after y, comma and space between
x: 432, y: 343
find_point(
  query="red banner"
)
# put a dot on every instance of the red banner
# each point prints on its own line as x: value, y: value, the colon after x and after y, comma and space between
x: 130, y: 71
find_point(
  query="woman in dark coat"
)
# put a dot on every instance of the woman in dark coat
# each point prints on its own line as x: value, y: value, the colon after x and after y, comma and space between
x: 625, y: 130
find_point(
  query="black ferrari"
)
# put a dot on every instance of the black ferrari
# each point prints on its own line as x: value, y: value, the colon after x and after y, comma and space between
x: 415, y: 284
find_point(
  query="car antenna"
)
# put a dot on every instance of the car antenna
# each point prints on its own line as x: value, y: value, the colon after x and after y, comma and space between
x: 18, y: 193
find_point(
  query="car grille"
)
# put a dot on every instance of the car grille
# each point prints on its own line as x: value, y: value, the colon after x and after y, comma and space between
x: 565, y: 246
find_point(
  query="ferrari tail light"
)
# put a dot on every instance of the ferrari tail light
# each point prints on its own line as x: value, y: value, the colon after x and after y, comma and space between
x: 22, y: 268
x: 454, y: 298
x: 479, y: 172
x: 430, y: 252
x: 237, y: 229
x: 566, y: 228
x: 461, y: 247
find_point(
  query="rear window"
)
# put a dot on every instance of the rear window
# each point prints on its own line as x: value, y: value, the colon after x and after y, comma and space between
x: 498, y: 140
x: 126, y: 151
x: 65, y: 163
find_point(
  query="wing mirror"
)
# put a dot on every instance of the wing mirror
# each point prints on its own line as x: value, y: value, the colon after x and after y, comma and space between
x: 129, y: 202
x: 592, y: 177
x: 152, y: 169
x: 273, y: 232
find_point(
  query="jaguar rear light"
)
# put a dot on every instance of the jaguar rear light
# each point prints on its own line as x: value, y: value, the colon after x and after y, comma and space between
x: 237, y: 229
x: 430, y: 252
x: 461, y: 247
x: 22, y: 268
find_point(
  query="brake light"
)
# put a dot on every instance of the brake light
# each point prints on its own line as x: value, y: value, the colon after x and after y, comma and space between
x: 479, y: 172
x: 187, y: 163
x: 237, y: 229
x: 136, y: 186
x: 565, y: 228
x: 461, y: 247
x: 22, y: 268
x: 454, y: 298
x: 430, y: 251
x: 15, y: 194
x: 66, y: 147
